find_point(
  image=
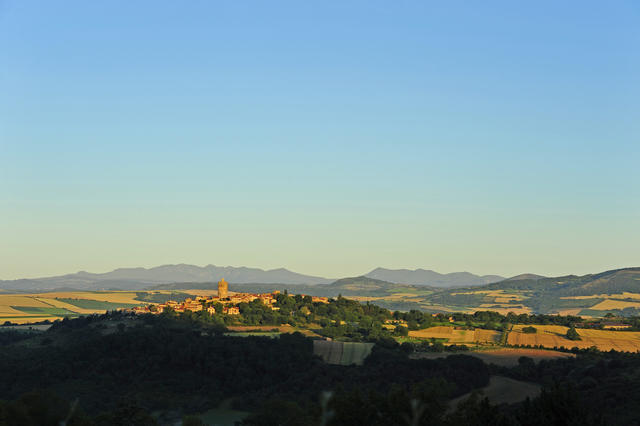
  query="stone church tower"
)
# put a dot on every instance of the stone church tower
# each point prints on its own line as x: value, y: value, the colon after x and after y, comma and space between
x: 223, y: 288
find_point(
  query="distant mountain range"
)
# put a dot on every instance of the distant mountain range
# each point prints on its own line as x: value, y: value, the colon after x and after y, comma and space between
x: 432, y: 278
x: 141, y: 278
x: 395, y: 289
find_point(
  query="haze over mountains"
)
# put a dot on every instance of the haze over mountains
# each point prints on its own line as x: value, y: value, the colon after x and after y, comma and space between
x: 396, y: 289
x: 432, y: 278
x: 140, y: 278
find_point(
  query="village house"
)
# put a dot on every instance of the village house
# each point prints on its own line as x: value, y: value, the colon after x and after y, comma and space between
x: 231, y: 310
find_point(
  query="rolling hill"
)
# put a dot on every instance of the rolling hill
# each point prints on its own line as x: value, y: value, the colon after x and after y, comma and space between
x: 432, y: 278
x: 616, y: 291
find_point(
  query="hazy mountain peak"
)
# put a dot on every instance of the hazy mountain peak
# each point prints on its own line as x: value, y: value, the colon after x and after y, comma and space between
x: 526, y: 276
x: 138, y: 277
x: 431, y: 278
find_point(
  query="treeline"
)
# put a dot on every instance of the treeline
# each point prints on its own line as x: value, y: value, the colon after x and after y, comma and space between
x: 485, y: 319
x: 11, y: 336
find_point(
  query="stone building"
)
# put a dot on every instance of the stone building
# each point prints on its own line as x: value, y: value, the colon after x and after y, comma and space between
x: 223, y: 289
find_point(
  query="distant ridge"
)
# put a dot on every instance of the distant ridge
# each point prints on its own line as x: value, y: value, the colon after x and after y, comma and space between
x: 139, y: 278
x: 432, y: 278
x: 526, y: 277
x: 580, y: 293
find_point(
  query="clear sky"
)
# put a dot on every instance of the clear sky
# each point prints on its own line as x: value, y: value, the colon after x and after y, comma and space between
x: 327, y: 137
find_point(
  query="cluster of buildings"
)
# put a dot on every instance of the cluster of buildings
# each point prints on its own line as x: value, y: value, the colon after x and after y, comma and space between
x: 205, y: 303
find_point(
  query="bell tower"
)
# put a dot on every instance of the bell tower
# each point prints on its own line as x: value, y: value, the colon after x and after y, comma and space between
x: 223, y: 289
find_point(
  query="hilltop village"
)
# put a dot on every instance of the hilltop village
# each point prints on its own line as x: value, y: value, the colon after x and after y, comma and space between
x: 228, y: 301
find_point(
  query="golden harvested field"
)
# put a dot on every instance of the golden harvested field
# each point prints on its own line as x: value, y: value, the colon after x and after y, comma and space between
x: 548, y: 336
x: 559, y: 329
x: 26, y: 319
x: 573, y: 312
x: 607, y: 339
x: 625, y: 295
x: 504, y: 309
x: 486, y: 336
x: 615, y: 304
x: 554, y: 336
x: 9, y: 311
x: 106, y: 296
x: 457, y: 336
x: 201, y: 292
x: 21, y: 300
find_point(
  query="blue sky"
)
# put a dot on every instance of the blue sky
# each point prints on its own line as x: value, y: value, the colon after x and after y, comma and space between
x: 326, y: 137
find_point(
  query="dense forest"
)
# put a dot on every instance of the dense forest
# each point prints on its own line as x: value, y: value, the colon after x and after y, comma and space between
x: 171, y: 363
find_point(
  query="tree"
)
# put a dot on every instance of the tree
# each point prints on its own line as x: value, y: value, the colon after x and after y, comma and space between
x: 401, y: 330
x: 280, y: 412
x: 192, y: 421
x: 572, y: 334
x: 408, y: 347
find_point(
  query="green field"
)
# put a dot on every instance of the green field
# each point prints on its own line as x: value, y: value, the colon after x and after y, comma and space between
x: 41, y: 311
x: 355, y: 353
x: 342, y: 353
x: 95, y: 304
x: 222, y: 417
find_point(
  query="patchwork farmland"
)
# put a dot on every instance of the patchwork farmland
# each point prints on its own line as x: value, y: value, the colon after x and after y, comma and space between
x: 37, y: 307
x: 551, y: 336
x: 547, y: 336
